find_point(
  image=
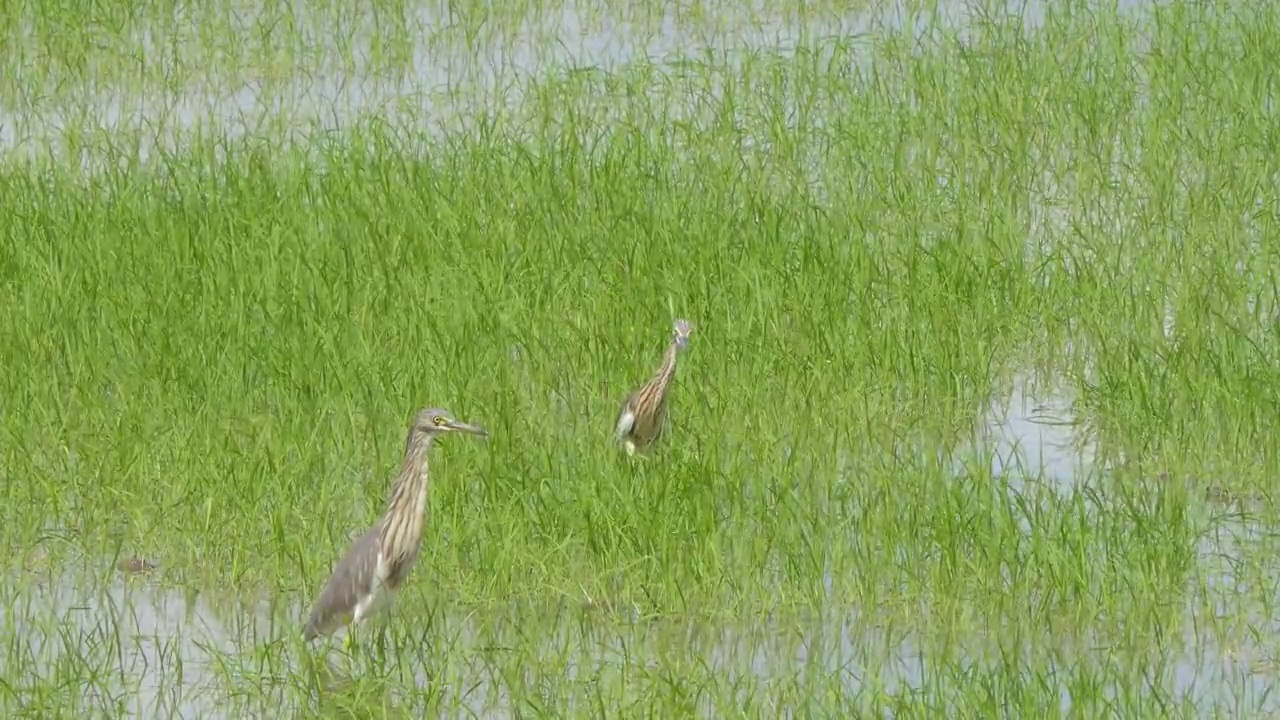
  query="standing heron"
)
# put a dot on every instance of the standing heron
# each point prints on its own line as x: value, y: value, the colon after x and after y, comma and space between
x: 367, y: 578
x: 644, y: 413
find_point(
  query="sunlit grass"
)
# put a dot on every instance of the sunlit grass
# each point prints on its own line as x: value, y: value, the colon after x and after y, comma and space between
x: 212, y: 355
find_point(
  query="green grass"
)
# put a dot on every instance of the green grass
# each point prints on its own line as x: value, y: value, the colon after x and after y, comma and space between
x: 211, y: 357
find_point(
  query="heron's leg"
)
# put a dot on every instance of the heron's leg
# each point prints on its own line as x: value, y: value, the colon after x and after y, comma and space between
x: 349, y: 646
x: 636, y: 454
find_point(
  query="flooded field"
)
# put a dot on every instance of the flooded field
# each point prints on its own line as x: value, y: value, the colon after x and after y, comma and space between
x: 977, y: 419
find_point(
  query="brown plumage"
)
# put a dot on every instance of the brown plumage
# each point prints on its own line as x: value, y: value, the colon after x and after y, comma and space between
x: 375, y: 566
x: 644, y: 413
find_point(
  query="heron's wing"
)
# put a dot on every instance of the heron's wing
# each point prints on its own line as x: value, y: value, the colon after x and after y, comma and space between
x: 351, y: 579
x: 626, y: 418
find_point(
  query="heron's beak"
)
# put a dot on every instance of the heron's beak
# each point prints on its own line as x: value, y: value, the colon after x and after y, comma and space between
x: 467, y: 428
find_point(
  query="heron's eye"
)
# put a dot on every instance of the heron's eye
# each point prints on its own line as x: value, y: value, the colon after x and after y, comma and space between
x: 439, y: 420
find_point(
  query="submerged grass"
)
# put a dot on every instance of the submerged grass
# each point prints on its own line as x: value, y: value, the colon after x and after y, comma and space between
x: 213, y: 353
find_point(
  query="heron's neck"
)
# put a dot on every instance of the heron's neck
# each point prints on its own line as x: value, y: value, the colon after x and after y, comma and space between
x: 401, y: 526
x: 411, y: 483
x: 668, y: 366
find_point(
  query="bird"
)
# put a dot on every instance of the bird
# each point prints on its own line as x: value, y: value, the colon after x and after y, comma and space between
x: 377, y: 563
x: 644, y: 412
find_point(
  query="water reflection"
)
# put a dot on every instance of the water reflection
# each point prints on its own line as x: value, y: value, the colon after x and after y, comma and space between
x: 162, y: 651
x: 168, y: 652
x: 133, y: 641
x: 455, y: 70
x: 1032, y: 434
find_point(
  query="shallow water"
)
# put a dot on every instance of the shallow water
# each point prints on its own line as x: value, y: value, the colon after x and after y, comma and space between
x: 1033, y: 433
x: 161, y: 651
x: 451, y: 75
